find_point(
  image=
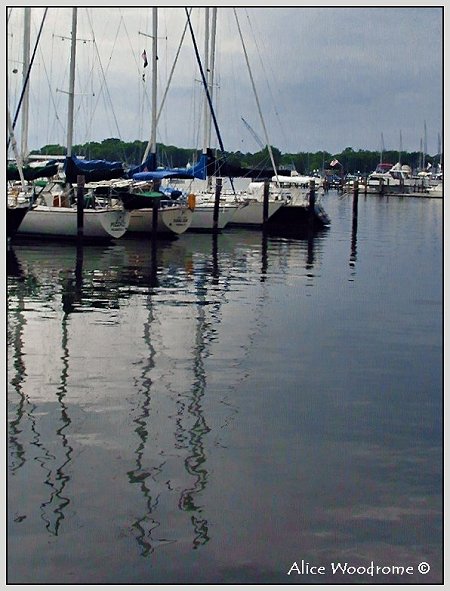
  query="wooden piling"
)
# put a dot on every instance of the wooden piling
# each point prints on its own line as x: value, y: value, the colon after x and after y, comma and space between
x: 80, y: 206
x: 265, y: 203
x: 155, y: 208
x: 312, y: 201
x: 312, y: 194
x: 217, y: 204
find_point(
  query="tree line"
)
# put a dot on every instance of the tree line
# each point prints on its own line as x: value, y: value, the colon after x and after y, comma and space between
x: 350, y: 161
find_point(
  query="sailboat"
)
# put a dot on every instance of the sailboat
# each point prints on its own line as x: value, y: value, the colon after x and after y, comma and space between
x: 140, y: 192
x: 204, y: 213
x: 171, y: 181
x: 167, y: 180
x: 54, y: 213
x: 288, y: 204
x: 297, y: 209
x: 18, y: 203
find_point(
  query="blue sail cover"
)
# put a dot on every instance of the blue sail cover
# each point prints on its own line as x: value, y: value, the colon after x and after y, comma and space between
x: 198, y: 171
x: 92, y: 170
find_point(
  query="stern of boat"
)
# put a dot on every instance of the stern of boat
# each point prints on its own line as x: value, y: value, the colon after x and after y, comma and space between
x: 115, y: 222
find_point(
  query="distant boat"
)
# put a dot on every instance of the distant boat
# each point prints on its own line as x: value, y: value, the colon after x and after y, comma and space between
x: 388, y: 178
x: 436, y: 190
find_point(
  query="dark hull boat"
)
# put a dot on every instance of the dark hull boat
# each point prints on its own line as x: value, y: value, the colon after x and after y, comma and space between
x: 14, y: 217
x: 296, y: 220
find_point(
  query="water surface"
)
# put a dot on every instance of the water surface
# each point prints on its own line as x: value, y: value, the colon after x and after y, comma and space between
x: 219, y: 409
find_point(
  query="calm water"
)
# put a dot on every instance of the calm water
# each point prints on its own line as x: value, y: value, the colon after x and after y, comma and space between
x: 218, y: 411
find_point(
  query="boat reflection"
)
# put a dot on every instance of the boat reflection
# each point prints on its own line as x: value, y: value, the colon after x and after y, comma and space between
x: 182, y: 292
x: 28, y: 419
x: 16, y: 379
x: 57, y: 463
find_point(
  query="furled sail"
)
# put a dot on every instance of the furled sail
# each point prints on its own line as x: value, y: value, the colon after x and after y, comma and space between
x: 33, y: 172
x: 92, y: 170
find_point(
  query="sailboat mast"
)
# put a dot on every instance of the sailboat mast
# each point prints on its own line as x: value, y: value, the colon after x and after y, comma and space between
x: 26, y: 65
x: 421, y: 155
x: 440, y: 152
x: 424, y: 144
x: 211, y: 65
x: 207, y: 71
x: 70, y: 110
x: 154, y: 78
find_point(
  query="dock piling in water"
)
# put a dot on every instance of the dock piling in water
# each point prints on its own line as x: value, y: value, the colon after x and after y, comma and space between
x: 265, y: 203
x: 216, y: 204
x: 80, y: 206
x: 312, y: 200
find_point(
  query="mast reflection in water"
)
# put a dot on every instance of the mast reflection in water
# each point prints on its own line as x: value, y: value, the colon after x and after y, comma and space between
x: 207, y: 411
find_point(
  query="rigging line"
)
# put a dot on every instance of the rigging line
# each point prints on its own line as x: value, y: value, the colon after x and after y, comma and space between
x: 104, y: 86
x: 28, y: 72
x: 51, y: 96
x: 169, y: 81
x: 89, y: 78
x: 269, y: 147
x: 208, y: 96
x: 263, y: 65
x: 145, y: 94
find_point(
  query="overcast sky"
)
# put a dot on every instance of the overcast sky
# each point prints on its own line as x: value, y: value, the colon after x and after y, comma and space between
x: 327, y: 78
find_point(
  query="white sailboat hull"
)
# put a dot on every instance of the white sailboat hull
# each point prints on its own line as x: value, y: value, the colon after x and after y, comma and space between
x: 171, y: 220
x: 98, y: 224
x: 203, y: 216
x: 250, y: 206
x: 251, y: 214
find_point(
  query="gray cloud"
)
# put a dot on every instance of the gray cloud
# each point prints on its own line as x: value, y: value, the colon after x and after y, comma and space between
x: 327, y: 78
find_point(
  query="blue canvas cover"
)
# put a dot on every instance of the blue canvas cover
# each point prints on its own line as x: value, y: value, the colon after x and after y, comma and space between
x: 92, y: 170
x: 198, y: 171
